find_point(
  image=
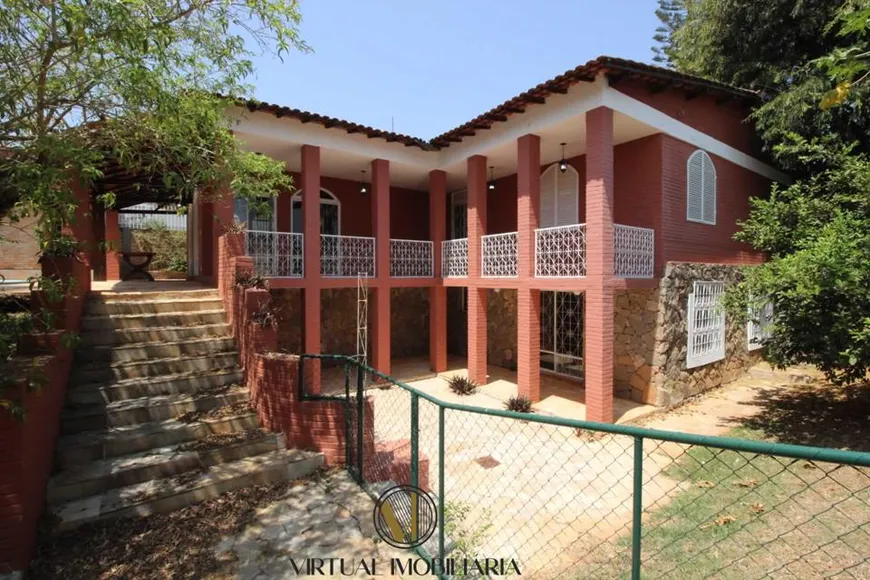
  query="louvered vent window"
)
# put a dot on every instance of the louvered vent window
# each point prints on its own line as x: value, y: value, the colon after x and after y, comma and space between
x: 701, y: 189
x: 560, y: 193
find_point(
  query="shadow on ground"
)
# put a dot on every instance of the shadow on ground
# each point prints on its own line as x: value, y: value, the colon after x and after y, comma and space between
x: 820, y: 414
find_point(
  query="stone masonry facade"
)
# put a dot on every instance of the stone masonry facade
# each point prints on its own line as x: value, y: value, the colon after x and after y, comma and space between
x: 501, y: 326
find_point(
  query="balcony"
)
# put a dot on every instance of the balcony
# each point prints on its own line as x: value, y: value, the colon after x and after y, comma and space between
x: 347, y: 256
x: 560, y: 252
x: 411, y: 259
x: 454, y: 258
x: 633, y: 252
x: 498, y: 255
x: 275, y: 254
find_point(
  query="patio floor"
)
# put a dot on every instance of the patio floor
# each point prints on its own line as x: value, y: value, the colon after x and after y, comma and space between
x: 559, y: 397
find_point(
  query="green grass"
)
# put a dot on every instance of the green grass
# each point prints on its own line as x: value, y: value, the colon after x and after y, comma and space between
x: 738, y: 515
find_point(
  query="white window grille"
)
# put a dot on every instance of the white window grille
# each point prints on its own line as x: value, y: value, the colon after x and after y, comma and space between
x: 759, y: 326
x: 706, y: 319
x: 275, y: 254
x: 410, y: 259
x: 560, y: 196
x: 242, y: 213
x: 347, y: 256
x: 560, y: 252
x: 454, y: 258
x: 498, y: 255
x: 701, y: 188
x: 330, y: 213
x: 562, y: 333
x: 633, y: 252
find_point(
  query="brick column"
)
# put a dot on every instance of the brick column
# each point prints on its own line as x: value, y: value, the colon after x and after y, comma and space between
x: 598, y: 323
x: 311, y: 244
x: 113, y: 245
x: 283, y: 211
x: 528, y: 300
x: 222, y: 216
x: 380, y: 305
x: 437, y: 292
x: 476, y: 296
x: 205, y: 215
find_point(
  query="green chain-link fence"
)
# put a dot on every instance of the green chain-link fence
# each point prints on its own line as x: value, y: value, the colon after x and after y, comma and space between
x: 575, y: 499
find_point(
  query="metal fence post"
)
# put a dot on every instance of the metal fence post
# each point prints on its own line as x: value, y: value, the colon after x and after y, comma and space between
x: 441, y: 484
x: 347, y: 422
x: 360, y: 373
x: 415, y: 461
x: 637, y: 510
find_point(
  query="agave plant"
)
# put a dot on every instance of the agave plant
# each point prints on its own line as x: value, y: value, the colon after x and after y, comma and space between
x: 462, y: 385
x: 519, y: 404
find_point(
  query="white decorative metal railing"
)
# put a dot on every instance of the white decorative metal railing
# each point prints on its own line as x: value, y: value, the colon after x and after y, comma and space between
x: 454, y: 258
x: 498, y: 255
x: 633, y: 252
x: 347, y: 256
x: 560, y: 252
x: 411, y: 259
x: 275, y: 254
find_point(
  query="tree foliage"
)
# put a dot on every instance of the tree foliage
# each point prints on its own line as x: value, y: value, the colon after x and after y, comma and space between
x: 809, y: 59
x: 85, y: 81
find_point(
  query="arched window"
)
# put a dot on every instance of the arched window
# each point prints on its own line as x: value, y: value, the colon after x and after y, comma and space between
x: 254, y: 222
x: 701, y: 188
x: 330, y: 213
x: 560, y: 195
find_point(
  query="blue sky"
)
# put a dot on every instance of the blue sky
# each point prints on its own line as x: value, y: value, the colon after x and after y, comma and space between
x: 433, y: 65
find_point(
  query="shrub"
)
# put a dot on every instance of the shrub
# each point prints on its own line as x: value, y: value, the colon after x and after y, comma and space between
x: 249, y: 280
x: 169, y: 246
x: 462, y: 385
x: 519, y: 404
x: 267, y: 315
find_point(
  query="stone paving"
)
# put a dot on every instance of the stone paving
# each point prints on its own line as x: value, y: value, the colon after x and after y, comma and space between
x: 327, y: 517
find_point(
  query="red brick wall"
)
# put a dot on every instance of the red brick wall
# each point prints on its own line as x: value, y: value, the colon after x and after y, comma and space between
x: 408, y: 208
x: 27, y: 448
x: 724, y: 121
x: 685, y: 241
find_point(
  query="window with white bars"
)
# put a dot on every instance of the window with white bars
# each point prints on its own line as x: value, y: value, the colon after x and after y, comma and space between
x: 706, y: 319
x: 701, y: 188
x: 560, y: 195
x: 759, y: 326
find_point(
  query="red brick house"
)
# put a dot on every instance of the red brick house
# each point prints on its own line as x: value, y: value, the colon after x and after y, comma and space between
x: 584, y: 227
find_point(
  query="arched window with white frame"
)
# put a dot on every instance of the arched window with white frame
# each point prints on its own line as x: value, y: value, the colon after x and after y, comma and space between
x: 701, y: 188
x: 560, y: 197
x: 330, y: 213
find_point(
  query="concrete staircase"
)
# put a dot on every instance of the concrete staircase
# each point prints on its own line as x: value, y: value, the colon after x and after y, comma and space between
x: 156, y: 415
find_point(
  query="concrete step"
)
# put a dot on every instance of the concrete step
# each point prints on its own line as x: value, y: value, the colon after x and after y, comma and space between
x: 186, y: 304
x: 106, y: 372
x: 114, y: 337
x: 126, y: 321
x: 108, y: 295
x: 75, y: 419
x: 100, y: 476
x: 137, y: 388
x: 791, y: 375
x: 170, y: 494
x: 81, y: 448
x: 154, y: 350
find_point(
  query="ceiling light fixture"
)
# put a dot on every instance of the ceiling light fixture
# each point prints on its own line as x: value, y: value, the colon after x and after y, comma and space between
x: 491, y: 185
x: 363, y: 188
x: 563, y: 165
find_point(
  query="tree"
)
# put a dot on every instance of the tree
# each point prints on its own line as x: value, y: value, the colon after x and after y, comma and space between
x: 672, y: 15
x: 135, y: 83
x: 810, y: 60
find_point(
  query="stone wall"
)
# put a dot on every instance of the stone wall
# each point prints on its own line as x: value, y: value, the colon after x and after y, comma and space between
x: 671, y: 381
x: 501, y: 326
x: 338, y: 321
x: 409, y: 322
x: 635, y: 317
x: 288, y: 302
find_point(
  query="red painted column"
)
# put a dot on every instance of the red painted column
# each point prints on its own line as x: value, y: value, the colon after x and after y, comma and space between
x: 283, y: 211
x: 380, y: 305
x: 311, y: 247
x: 81, y: 227
x: 528, y: 300
x: 206, y: 227
x: 476, y: 295
x: 437, y: 292
x: 598, y: 324
x: 222, y: 215
x: 113, y: 245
